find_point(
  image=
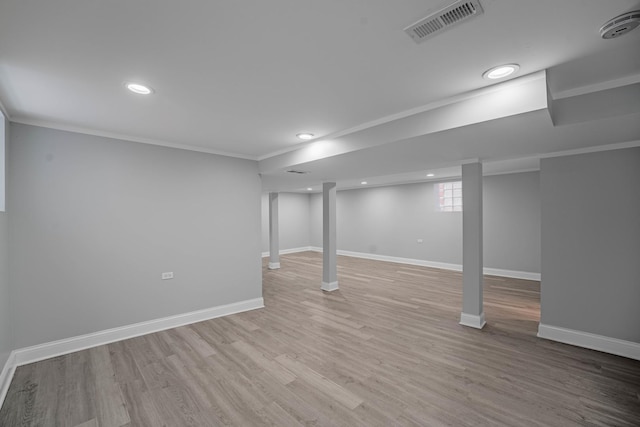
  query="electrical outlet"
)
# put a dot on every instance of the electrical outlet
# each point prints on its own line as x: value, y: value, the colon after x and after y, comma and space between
x: 167, y: 275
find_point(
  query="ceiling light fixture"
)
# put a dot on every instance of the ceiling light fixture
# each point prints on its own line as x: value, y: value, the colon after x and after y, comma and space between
x: 305, y: 136
x: 138, y: 88
x: 429, y: 175
x: 500, y: 72
x: 309, y: 189
x: 364, y: 183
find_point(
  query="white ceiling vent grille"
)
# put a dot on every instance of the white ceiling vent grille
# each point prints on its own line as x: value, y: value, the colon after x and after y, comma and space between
x: 434, y: 24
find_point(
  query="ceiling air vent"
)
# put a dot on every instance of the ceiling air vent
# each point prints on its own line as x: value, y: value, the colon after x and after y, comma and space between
x: 444, y: 19
x: 297, y: 172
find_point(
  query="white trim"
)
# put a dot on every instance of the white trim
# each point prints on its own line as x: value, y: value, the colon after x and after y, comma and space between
x: 473, y: 320
x: 329, y: 287
x: 388, y: 258
x: 6, y: 376
x: 526, y: 275
x: 512, y: 171
x: 128, y: 138
x: 594, y: 149
x: 274, y: 265
x: 615, y: 346
x: 5, y: 111
x: 48, y: 350
x: 290, y: 251
x: 597, y: 87
x: 82, y: 342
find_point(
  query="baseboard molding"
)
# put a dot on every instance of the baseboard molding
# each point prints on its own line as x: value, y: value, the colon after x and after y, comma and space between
x: 591, y: 341
x: 290, y: 251
x: 513, y: 274
x: 435, y: 264
x: 6, y: 376
x: 472, y: 320
x: 329, y: 287
x: 48, y: 350
x: 82, y: 342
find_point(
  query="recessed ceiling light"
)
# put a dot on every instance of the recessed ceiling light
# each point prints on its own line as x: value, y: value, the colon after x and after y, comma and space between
x: 305, y: 136
x: 429, y: 175
x: 140, y: 89
x: 364, y: 183
x: 501, y: 71
x: 309, y: 189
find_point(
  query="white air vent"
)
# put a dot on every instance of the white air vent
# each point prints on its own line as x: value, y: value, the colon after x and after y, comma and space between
x: 297, y: 172
x: 444, y: 19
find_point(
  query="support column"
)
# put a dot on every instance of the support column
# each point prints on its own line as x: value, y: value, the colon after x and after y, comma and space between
x: 472, y: 274
x: 274, y: 242
x: 329, y: 248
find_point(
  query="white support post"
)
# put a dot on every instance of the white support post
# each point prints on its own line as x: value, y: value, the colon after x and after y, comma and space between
x: 274, y: 243
x: 329, y: 248
x: 472, y: 274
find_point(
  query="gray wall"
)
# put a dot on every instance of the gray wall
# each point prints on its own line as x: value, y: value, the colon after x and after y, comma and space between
x: 6, y: 344
x: 511, y: 215
x: 315, y: 219
x: 293, y: 215
x: 95, y: 221
x: 591, y: 243
x: 390, y: 220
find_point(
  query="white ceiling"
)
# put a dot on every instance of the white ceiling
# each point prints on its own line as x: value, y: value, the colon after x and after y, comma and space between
x: 243, y: 77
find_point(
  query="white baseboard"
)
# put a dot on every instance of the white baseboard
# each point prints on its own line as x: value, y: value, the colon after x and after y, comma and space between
x: 592, y: 341
x: 48, y: 350
x: 6, y: 376
x: 289, y: 251
x: 332, y: 286
x: 472, y: 320
x: 526, y: 275
x: 435, y: 264
x: 410, y: 261
x: 73, y: 344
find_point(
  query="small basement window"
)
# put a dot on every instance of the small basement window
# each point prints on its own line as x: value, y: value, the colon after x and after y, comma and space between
x: 449, y: 196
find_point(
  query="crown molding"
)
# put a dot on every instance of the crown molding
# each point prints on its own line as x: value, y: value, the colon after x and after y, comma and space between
x: 129, y: 138
x: 594, y: 149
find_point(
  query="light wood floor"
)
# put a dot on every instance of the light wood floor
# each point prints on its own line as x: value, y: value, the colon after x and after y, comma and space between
x: 386, y: 349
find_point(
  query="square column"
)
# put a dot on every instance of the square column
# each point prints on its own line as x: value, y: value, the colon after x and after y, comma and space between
x: 329, y: 248
x: 274, y: 243
x: 472, y: 271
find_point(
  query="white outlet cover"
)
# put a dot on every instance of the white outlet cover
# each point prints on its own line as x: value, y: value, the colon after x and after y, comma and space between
x: 167, y: 275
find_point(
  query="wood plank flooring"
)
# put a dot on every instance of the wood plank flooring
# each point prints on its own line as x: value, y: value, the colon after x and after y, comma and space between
x: 386, y: 349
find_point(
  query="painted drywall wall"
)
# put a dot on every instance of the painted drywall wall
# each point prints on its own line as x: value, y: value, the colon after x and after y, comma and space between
x: 4, y: 131
x: 6, y: 344
x: 6, y: 339
x: 315, y: 219
x: 591, y: 243
x: 390, y: 220
x: 511, y: 216
x: 293, y: 215
x: 95, y: 221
